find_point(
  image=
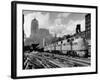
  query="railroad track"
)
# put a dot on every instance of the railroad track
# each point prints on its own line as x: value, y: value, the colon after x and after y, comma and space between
x: 39, y: 62
x: 47, y: 62
x: 73, y: 61
x: 81, y: 62
x: 43, y: 61
x: 76, y: 61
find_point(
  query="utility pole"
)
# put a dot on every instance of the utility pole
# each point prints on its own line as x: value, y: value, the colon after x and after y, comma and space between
x: 55, y: 41
x: 43, y: 42
x: 61, y: 45
x: 71, y: 43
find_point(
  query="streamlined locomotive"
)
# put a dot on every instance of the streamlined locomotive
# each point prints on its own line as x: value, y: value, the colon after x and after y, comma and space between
x: 76, y: 46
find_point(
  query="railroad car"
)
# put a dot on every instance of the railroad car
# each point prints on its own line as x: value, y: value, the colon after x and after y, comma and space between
x: 71, y: 47
x: 66, y: 46
x: 79, y: 46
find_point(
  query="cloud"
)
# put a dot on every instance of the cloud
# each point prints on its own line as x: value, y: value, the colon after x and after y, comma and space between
x: 57, y: 29
x: 57, y: 26
x: 71, y: 26
x: 58, y: 21
x: 63, y: 15
x: 63, y: 29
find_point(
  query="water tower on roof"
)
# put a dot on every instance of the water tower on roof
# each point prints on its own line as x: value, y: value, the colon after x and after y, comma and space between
x: 78, y: 28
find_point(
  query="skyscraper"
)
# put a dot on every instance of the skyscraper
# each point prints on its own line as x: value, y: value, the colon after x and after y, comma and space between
x: 34, y: 26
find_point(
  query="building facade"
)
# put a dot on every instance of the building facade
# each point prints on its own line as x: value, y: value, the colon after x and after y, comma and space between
x: 88, y: 26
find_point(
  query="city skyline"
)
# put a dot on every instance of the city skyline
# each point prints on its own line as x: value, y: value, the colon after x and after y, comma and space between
x: 56, y: 22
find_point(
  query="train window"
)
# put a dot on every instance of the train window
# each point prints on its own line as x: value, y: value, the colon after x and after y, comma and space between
x: 59, y: 45
x: 77, y: 37
x: 72, y: 39
x: 64, y: 44
x: 75, y: 43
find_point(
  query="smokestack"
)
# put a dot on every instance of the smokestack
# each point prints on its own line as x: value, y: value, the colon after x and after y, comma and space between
x: 43, y: 42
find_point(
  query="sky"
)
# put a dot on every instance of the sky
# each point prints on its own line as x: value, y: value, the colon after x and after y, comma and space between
x: 59, y: 23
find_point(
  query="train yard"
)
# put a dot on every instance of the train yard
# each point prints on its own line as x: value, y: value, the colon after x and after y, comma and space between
x: 72, y: 51
x: 39, y: 60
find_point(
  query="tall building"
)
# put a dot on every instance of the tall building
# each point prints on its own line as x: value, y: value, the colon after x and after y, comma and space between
x: 88, y: 31
x: 88, y: 26
x: 38, y: 35
x: 34, y: 26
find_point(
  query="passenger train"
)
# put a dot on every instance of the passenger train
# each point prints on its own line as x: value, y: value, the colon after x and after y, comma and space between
x: 75, y: 46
